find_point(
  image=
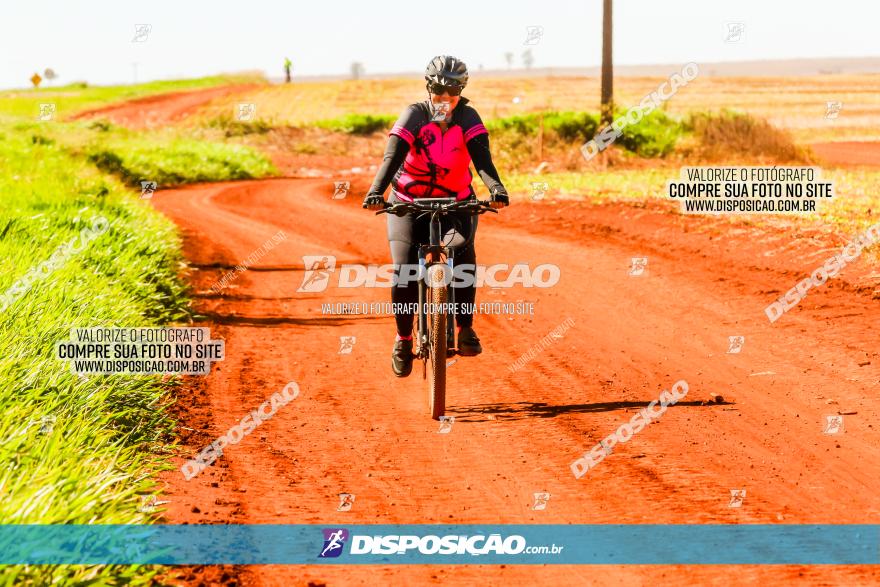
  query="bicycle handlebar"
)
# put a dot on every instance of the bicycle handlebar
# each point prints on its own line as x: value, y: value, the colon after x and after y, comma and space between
x: 472, y: 206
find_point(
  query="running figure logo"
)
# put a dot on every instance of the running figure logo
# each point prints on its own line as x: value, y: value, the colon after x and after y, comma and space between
x: 832, y: 109
x: 148, y: 188
x: 47, y: 111
x: 446, y: 423
x: 735, y: 344
x: 47, y: 424
x: 441, y: 111
x: 541, y: 500
x: 247, y: 111
x: 142, y: 33
x: 334, y: 541
x: 833, y: 424
x: 317, y: 272
x: 533, y: 35
x: 736, y: 498
x: 539, y: 188
x: 340, y: 189
x: 735, y: 32
x: 638, y: 266
x: 346, y: 500
x: 346, y: 344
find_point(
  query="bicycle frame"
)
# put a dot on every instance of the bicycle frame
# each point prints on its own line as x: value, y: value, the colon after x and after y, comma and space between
x: 435, y: 253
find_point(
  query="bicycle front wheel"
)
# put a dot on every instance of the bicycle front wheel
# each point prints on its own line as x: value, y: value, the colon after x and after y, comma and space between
x: 437, y: 351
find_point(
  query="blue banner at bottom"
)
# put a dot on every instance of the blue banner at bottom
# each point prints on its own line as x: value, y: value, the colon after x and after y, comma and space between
x: 442, y: 544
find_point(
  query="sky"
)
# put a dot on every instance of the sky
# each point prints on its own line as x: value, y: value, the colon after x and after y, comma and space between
x: 93, y: 40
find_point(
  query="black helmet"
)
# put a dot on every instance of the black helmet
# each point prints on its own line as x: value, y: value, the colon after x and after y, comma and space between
x: 447, y: 71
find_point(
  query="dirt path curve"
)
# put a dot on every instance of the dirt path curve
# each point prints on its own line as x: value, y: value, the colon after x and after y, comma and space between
x: 356, y: 429
x: 162, y: 109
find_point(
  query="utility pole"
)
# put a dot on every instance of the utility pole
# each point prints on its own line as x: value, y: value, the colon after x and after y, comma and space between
x: 607, y: 110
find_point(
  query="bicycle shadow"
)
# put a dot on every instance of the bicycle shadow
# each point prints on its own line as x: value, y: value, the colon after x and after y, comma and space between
x: 526, y: 410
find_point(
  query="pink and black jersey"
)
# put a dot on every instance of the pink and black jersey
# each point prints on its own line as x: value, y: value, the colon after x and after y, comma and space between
x: 438, y: 163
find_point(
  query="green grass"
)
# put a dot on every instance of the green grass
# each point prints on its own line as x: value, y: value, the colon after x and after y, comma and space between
x: 232, y: 127
x: 167, y: 157
x: 72, y: 98
x: 86, y: 450
x: 176, y: 161
x: 95, y: 463
x: 655, y: 135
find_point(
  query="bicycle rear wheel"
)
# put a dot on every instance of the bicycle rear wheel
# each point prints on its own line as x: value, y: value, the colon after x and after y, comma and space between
x: 437, y: 352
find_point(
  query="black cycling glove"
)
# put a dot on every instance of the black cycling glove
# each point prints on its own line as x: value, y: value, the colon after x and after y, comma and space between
x: 500, y: 195
x: 374, y: 201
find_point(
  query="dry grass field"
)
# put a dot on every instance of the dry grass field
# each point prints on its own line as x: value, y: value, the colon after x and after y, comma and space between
x: 794, y: 103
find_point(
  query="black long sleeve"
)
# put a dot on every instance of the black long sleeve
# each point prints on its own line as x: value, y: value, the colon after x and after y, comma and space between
x: 395, y: 152
x: 478, y: 147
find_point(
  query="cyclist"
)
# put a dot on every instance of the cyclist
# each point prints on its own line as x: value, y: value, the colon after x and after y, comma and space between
x: 428, y: 155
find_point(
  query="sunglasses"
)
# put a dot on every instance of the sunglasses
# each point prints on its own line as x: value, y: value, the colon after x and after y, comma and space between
x: 440, y: 89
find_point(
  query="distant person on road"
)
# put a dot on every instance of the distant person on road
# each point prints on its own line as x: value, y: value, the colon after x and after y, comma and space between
x: 428, y: 155
x: 287, y: 65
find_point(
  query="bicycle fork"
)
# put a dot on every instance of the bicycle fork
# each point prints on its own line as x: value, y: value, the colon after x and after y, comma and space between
x: 432, y: 254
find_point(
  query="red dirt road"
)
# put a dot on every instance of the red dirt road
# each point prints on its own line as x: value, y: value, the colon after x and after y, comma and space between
x: 357, y: 429
x: 162, y: 109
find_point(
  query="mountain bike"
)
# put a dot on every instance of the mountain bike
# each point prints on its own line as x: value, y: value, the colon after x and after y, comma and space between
x: 435, y: 323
